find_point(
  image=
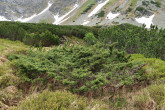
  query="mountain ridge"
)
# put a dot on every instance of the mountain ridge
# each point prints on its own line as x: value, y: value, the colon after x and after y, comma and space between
x: 85, y: 12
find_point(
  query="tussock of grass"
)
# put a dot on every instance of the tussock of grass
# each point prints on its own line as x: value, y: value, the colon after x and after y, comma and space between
x: 1, y: 47
x: 149, y: 98
x: 153, y: 96
x: 7, y: 46
x: 142, y: 100
x: 4, y: 69
x: 8, y: 80
x: 59, y: 100
x: 157, y: 93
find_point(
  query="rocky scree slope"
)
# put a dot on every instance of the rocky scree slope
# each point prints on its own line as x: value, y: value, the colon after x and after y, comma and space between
x: 85, y: 12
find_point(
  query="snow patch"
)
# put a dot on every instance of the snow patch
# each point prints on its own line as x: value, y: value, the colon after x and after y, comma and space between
x: 98, y: 7
x: 59, y: 20
x: 47, y: 8
x: 35, y: 15
x: 111, y: 16
x: 2, y: 18
x: 85, y: 22
x: 145, y: 20
x: 26, y: 19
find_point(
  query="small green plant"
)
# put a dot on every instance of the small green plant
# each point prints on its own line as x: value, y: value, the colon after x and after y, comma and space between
x: 118, y: 102
x: 88, y: 8
x: 145, y: 3
x: 90, y: 38
x: 129, y: 10
x: 101, y: 14
x: 157, y: 3
x: 141, y: 9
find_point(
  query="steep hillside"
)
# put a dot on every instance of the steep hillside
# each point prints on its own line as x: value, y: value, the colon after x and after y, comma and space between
x: 34, y: 10
x: 111, y: 12
x: 82, y: 68
x: 85, y: 12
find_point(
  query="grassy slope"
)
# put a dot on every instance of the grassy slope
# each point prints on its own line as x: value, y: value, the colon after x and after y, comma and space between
x: 7, y: 77
x: 132, y: 5
x: 144, y: 96
x: 82, y: 8
x: 6, y: 47
x: 150, y: 97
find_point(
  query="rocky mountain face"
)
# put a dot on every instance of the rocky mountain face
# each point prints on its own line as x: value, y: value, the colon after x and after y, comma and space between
x: 85, y: 12
x: 62, y: 6
x: 13, y: 9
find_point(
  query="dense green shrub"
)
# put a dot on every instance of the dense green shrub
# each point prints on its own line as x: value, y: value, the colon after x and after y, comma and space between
x: 130, y: 38
x: 79, y: 68
x: 135, y: 39
x: 19, y: 31
x: 45, y: 38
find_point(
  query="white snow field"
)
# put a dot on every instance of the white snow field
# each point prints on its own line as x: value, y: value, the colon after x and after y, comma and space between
x: 145, y: 20
x: 111, y: 16
x: 59, y: 20
x: 85, y: 22
x: 2, y: 18
x: 98, y: 7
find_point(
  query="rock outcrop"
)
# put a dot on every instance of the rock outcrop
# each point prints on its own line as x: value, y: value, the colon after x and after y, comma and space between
x: 127, y: 11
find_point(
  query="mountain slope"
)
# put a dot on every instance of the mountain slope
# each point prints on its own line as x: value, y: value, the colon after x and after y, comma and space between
x: 85, y: 12
x: 113, y: 78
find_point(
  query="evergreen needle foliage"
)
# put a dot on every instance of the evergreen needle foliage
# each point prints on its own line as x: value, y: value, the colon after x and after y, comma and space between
x: 136, y: 40
x: 80, y: 68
